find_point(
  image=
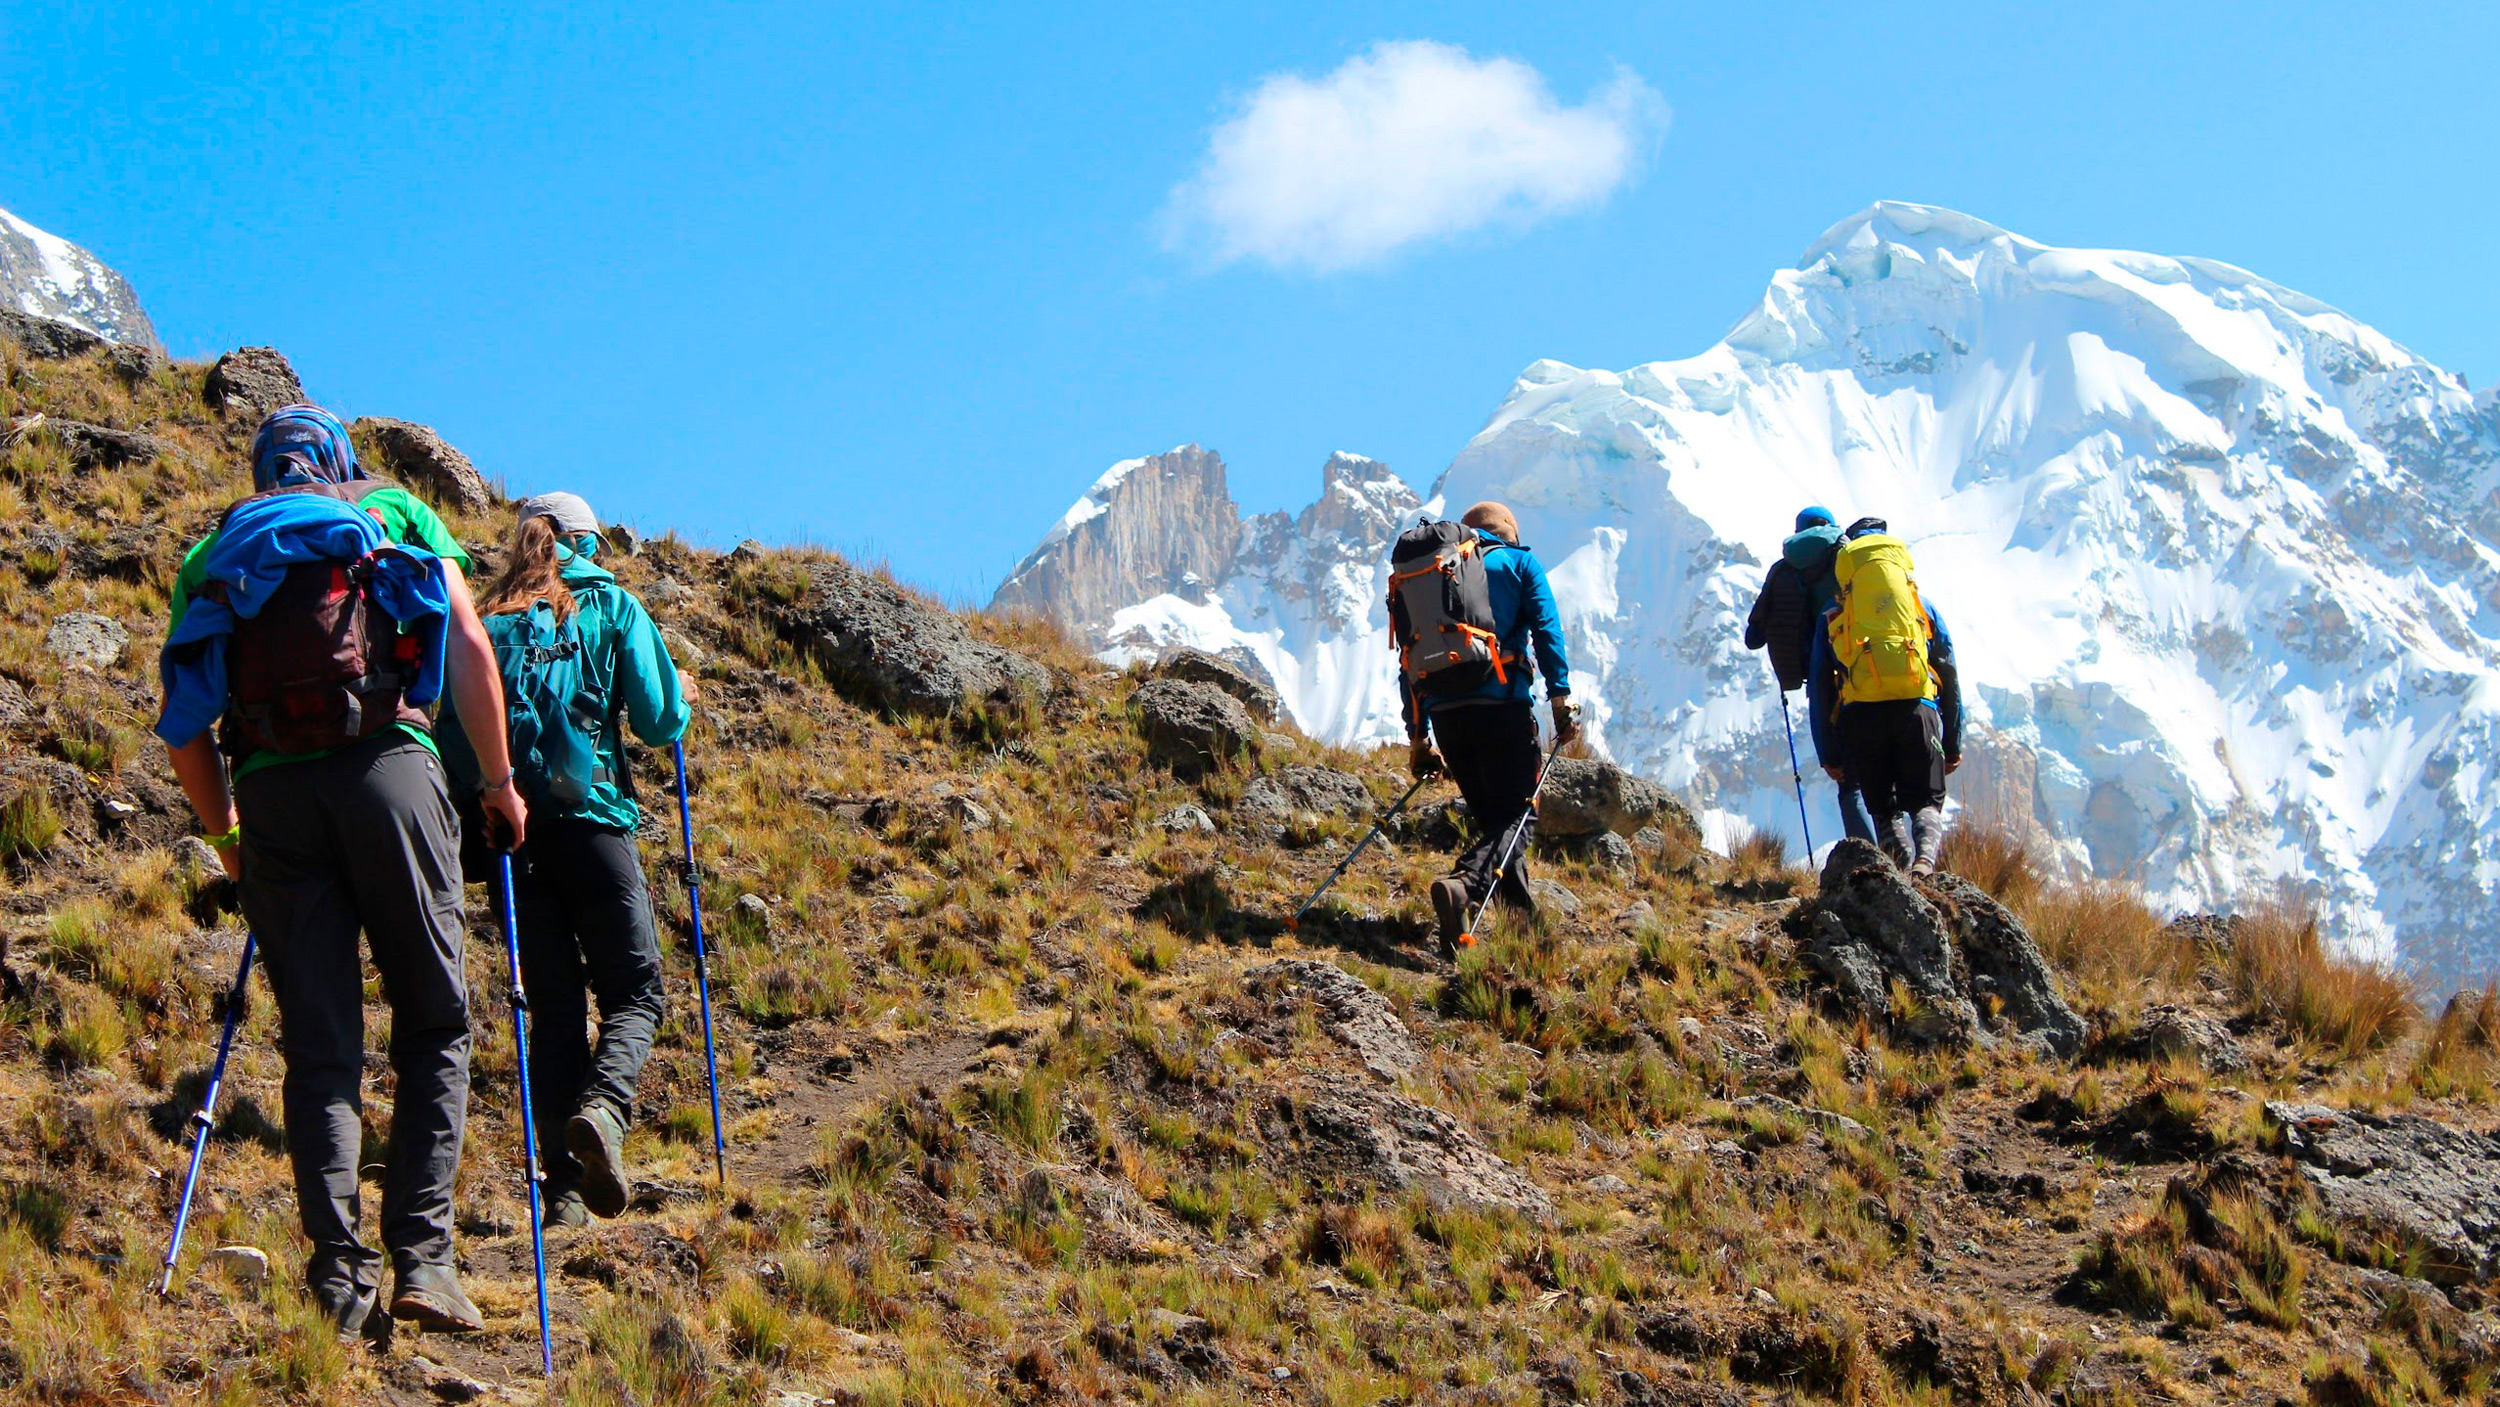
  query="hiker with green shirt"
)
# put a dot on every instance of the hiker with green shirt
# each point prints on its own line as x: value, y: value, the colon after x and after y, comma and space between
x: 580, y: 657
x: 312, y: 627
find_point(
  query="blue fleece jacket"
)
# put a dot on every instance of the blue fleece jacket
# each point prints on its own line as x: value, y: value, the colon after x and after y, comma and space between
x: 1823, y: 705
x: 250, y: 557
x: 1529, y: 624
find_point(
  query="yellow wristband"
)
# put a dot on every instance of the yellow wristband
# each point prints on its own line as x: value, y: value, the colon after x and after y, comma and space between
x: 232, y: 835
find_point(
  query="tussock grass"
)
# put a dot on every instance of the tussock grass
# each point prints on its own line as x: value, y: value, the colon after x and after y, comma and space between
x: 2279, y: 965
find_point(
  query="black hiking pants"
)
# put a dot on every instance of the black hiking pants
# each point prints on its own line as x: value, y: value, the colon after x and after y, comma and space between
x: 1491, y: 749
x: 586, y: 930
x: 363, y: 840
x: 1896, y: 749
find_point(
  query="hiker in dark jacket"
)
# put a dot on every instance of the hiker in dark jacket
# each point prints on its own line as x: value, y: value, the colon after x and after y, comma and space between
x: 329, y: 841
x: 583, y: 910
x: 1487, y: 737
x: 1796, y: 592
x: 1901, y: 749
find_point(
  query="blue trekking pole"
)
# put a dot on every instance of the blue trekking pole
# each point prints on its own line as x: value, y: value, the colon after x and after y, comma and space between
x: 702, y: 975
x: 1795, y: 774
x: 529, y: 1112
x: 203, y: 1122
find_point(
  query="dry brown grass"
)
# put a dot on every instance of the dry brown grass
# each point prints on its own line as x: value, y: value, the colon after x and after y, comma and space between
x: 2101, y: 931
x: 2280, y: 967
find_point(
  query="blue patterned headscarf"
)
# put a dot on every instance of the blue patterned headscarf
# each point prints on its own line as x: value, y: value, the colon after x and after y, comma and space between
x: 302, y: 444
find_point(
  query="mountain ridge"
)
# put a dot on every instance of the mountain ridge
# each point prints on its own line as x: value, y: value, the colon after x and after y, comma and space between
x: 46, y: 276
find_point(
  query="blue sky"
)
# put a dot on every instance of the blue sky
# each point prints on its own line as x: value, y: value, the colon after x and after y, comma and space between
x: 903, y: 281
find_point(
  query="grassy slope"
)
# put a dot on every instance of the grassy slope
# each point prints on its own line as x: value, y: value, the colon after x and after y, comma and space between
x: 1001, y: 1101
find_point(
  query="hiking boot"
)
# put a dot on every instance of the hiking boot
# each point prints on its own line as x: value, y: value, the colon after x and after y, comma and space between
x: 565, y: 1211
x: 429, y: 1296
x: 1449, y: 909
x: 597, y: 1140
x: 349, y: 1310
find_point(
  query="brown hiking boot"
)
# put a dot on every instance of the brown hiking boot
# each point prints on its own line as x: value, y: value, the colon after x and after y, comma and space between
x: 1449, y: 909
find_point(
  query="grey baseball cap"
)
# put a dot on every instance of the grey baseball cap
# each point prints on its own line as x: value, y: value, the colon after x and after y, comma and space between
x: 571, y: 512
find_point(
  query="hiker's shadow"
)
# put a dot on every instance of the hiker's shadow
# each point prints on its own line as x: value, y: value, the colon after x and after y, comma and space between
x: 238, y: 1118
x: 1197, y: 905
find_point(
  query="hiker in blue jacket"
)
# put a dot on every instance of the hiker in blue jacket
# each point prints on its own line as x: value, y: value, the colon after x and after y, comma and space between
x: 1786, y: 616
x: 1487, y: 737
x: 1902, y: 749
x: 583, y: 910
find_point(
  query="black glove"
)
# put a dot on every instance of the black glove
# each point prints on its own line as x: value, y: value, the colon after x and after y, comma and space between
x: 1423, y: 759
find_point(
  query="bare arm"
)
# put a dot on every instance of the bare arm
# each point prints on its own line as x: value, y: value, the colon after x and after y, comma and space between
x: 203, y: 776
x: 477, y: 694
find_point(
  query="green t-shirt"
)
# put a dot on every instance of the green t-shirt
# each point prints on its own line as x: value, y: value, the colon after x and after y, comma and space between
x: 405, y: 519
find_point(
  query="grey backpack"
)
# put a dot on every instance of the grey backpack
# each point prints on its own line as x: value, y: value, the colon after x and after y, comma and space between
x: 1441, y: 611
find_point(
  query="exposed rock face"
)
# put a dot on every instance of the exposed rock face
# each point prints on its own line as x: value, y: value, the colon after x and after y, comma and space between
x: 1584, y: 796
x: 45, y: 276
x: 1165, y: 523
x: 251, y: 381
x: 1255, y: 691
x: 416, y: 456
x: 889, y: 649
x: 1377, y: 1136
x: 1348, y: 1010
x: 1953, y: 948
x: 2418, y: 1178
x: 101, y: 447
x: 2176, y: 1033
x: 47, y: 337
x: 1270, y: 802
x: 1192, y: 727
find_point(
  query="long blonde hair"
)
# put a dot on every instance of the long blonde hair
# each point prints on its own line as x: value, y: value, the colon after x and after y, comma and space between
x: 531, y: 573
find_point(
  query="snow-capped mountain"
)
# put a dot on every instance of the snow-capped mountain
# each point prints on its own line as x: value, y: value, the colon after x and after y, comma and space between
x: 49, y: 277
x: 2219, y: 562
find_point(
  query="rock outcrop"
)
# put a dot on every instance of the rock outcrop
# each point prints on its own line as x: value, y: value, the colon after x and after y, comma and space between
x: 416, y: 456
x: 84, y: 638
x: 2427, y: 1183
x: 1584, y: 796
x: 1347, y: 1009
x: 1954, y: 950
x: 251, y: 382
x: 1375, y: 1136
x: 1192, y: 727
x: 1269, y: 804
x: 1148, y: 526
x: 889, y: 649
x: 47, y: 337
x: 1256, y: 692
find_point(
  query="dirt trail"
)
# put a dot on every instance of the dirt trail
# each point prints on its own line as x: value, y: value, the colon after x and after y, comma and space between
x: 504, y: 1359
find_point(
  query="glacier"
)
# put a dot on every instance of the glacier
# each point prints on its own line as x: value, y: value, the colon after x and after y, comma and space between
x: 2218, y: 558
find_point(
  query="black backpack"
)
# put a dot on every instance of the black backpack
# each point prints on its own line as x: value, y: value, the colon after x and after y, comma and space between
x: 1441, y: 611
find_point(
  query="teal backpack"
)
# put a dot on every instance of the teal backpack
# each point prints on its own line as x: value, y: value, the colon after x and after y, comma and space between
x: 556, y: 698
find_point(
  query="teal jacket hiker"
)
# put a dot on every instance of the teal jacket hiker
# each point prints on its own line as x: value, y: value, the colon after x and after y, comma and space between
x: 624, y: 648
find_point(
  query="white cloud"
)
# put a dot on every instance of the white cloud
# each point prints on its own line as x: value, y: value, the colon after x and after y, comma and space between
x: 1408, y: 142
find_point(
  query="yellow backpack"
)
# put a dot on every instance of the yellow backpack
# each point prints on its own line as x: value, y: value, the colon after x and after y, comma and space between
x: 1880, y: 635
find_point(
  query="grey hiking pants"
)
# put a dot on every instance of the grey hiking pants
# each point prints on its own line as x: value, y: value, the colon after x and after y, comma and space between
x: 585, y: 920
x: 363, y: 840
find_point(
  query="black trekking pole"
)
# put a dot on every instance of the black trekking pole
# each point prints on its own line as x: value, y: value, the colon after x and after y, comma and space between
x: 529, y: 1112
x: 203, y: 1122
x: 1501, y: 861
x: 1369, y: 836
x: 702, y: 974
x: 1796, y: 775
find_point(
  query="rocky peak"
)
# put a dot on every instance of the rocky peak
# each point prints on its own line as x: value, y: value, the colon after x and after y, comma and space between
x: 46, y: 276
x: 1164, y: 524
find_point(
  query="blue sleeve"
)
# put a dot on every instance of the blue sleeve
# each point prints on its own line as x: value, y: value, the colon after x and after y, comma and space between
x: 646, y: 678
x: 1822, y: 696
x: 1544, y: 621
x: 1948, y: 682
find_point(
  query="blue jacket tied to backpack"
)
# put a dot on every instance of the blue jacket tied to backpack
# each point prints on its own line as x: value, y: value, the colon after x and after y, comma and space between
x: 1525, y: 618
x: 259, y: 542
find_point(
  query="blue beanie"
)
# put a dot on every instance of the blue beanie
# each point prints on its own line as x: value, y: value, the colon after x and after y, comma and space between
x: 1808, y: 517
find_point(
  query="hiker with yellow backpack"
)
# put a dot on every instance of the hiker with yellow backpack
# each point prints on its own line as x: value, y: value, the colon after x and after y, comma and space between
x: 1885, y: 696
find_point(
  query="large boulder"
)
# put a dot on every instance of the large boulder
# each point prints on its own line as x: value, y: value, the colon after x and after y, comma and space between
x: 1374, y: 1137
x: 416, y: 456
x: 251, y: 381
x: 1956, y: 951
x: 1254, y: 690
x: 888, y: 649
x: 1269, y: 804
x: 1584, y: 796
x: 1192, y: 727
x: 1346, y: 1008
x: 102, y: 447
x: 2431, y: 1184
x: 47, y: 337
